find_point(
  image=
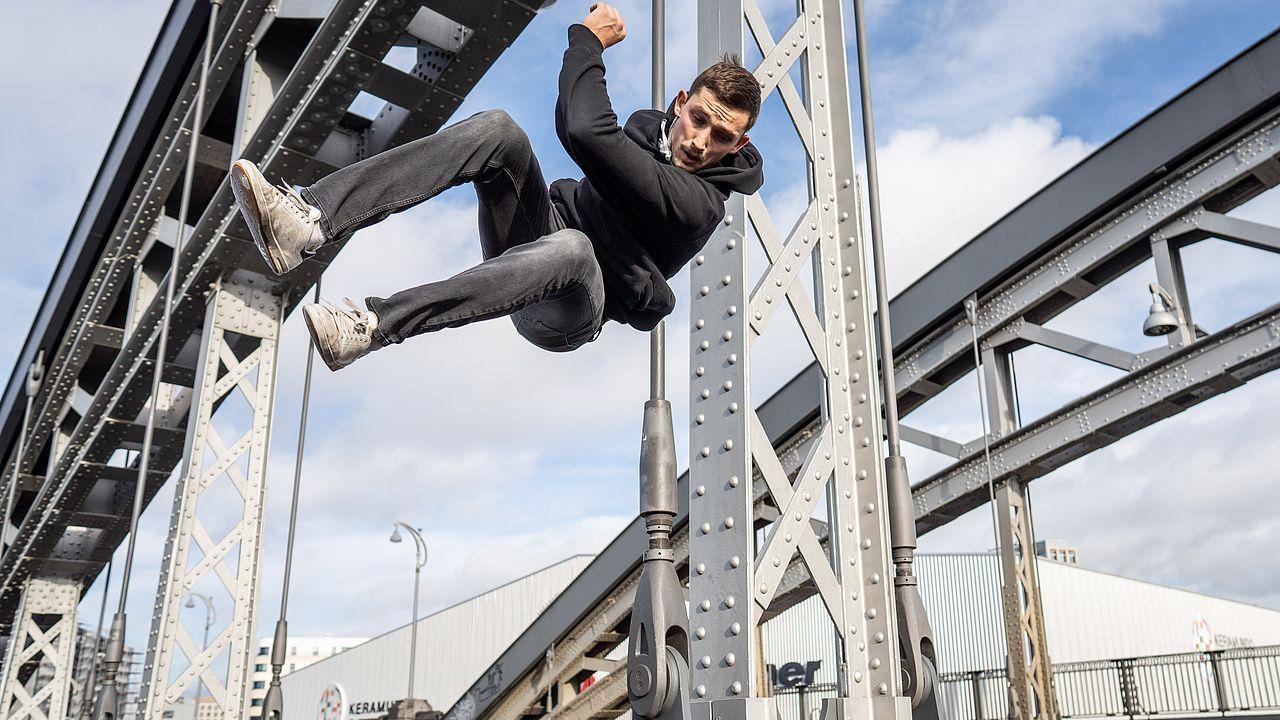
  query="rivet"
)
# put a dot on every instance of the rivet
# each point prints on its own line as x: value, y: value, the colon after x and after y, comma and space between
x: 706, y: 393
x: 733, y: 407
x: 700, y: 371
x: 733, y: 309
x: 701, y: 690
x: 735, y: 628
x: 777, y: 562
x: 730, y: 602
x: 733, y: 358
x: 700, y: 323
x: 730, y: 659
x: 875, y: 578
x: 706, y: 661
x: 706, y: 452
x: 871, y: 613
x: 701, y: 490
x: 728, y: 522
x: 735, y: 561
x: 704, y: 290
x: 733, y: 481
x: 735, y: 688
x: 728, y: 335
x: 706, y: 528
x: 704, y: 345
x: 728, y: 219
x: 728, y: 385
x: 705, y: 605
x: 700, y: 633
x: 727, y: 279
x: 878, y: 637
x: 701, y: 568
x: 701, y: 259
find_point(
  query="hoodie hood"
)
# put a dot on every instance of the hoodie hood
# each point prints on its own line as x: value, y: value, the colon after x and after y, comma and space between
x: 740, y: 172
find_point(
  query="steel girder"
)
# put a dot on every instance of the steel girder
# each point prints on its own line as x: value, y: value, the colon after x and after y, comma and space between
x: 298, y: 89
x: 242, y: 307
x: 35, y: 680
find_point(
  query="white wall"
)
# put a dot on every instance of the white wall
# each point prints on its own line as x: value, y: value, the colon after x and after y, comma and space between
x: 455, y: 646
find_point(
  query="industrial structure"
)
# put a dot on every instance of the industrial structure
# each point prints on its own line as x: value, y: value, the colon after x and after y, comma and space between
x: 160, y: 311
x: 1087, y: 615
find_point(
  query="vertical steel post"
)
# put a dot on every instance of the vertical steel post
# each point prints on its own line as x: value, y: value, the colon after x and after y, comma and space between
x: 35, y: 377
x: 1030, y: 671
x: 110, y: 703
x: 41, y: 650
x: 731, y: 583
x: 238, y: 354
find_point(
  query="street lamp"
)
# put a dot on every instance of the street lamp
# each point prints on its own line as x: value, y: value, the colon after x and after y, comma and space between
x: 1160, y: 319
x: 209, y: 617
x: 417, y: 574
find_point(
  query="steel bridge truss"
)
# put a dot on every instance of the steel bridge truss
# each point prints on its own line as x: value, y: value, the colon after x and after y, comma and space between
x: 735, y: 579
x: 1156, y: 221
x: 285, y: 79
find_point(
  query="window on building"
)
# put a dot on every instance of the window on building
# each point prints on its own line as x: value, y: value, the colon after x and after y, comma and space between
x: 259, y: 684
x: 292, y: 666
x: 257, y: 702
x: 263, y: 649
x: 260, y: 668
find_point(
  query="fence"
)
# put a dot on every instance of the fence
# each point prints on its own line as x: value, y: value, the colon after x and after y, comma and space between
x: 1211, y: 683
x: 1243, y: 680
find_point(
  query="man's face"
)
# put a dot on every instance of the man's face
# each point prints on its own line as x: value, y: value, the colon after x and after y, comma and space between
x: 705, y: 130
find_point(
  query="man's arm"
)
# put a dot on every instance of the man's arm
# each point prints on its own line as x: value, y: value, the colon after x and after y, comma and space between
x: 619, y: 170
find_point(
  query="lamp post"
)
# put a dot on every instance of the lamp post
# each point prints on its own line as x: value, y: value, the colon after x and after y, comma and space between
x: 209, y: 617
x: 417, y: 575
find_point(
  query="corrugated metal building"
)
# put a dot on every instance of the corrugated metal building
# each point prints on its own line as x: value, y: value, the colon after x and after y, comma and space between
x: 1089, y: 615
x: 455, y: 646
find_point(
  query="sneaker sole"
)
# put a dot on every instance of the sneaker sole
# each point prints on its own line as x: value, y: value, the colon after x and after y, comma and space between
x: 250, y: 206
x: 311, y: 317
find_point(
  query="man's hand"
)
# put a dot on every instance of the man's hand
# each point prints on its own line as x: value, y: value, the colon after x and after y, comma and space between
x: 606, y: 22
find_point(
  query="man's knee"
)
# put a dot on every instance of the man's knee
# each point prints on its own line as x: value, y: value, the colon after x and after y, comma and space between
x: 505, y: 132
x: 574, y: 247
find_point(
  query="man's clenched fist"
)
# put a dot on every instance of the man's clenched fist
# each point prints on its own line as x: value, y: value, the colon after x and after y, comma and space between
x: 606, y: 22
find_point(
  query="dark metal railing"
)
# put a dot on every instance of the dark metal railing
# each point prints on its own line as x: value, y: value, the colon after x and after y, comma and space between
x: 1242, y: 680
x: 1221, y: 682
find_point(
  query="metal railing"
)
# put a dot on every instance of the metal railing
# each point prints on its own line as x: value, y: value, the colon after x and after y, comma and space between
x: 1222, y: 682
x: 1238, y: 681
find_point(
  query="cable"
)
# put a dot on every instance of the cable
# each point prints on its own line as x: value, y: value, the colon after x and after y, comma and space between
x: 115, y: 647
x: 273, y: 703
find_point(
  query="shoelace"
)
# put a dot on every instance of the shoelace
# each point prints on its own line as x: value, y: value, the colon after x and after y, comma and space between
x: 358, y: 316
x: 296, y: 203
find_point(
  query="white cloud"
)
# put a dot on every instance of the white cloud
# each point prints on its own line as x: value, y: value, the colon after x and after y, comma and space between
x: 939, y: 190
x: 973, y: 62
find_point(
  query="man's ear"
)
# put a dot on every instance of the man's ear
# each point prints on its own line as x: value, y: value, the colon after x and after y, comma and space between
x: 682, y: 97
x: 742, y: 142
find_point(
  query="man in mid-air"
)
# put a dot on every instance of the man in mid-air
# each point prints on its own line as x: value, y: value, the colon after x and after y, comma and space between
x: 560, y: 260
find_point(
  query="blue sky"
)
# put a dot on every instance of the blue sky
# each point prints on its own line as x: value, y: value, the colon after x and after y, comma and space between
x: 511, y: 458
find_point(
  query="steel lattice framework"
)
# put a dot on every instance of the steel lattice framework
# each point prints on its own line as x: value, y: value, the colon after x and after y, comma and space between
x: 734, y: 582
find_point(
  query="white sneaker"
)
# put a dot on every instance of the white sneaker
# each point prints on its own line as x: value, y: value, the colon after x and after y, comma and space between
x: 341, y: 336
x: 284, y: 226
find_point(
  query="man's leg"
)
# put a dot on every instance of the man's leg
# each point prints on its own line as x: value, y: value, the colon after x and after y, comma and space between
x: 488, y: 149
x: 552, y: 287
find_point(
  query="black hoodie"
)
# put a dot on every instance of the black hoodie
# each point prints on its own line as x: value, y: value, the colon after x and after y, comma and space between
x: 645, y: 217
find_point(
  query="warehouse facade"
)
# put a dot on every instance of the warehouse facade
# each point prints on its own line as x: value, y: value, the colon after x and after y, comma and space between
x: 1089, y: 615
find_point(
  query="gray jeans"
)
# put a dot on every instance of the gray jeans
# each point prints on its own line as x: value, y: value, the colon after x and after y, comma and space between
x: 543, y: 275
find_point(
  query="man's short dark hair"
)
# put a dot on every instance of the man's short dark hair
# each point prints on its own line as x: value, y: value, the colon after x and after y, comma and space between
x: 732, y: 85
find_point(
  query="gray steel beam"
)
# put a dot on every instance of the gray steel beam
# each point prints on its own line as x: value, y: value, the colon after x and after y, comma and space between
x: 1166, y: 387
x: 35, y: 679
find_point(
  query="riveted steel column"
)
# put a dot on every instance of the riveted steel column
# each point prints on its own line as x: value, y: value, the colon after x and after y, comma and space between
x: 731, y: 582
x: 237, y: 356
x: 721, y: 543
x: 36, y: 680
x: 1030, y: 673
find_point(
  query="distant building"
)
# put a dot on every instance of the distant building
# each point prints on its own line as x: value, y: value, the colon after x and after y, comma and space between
x: 455, y: 646
x: 1089, y: 615
x: 1057, y: 551
x: 302, y: 651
